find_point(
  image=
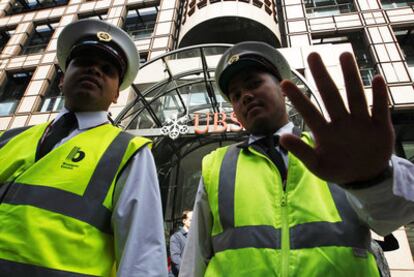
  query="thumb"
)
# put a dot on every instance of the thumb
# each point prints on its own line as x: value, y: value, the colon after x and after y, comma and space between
x: 300, y: 149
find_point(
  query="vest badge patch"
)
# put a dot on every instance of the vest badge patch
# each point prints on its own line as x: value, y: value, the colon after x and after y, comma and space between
x: 75, y: 155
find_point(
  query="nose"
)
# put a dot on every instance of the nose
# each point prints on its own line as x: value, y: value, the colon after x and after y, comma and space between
x: 94, y: 69
x: 247, y: 96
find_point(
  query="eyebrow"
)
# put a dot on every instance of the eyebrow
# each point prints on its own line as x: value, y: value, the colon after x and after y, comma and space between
x: 245, y: 77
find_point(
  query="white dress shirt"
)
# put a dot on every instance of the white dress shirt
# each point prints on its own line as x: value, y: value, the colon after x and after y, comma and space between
x: 390, y: 204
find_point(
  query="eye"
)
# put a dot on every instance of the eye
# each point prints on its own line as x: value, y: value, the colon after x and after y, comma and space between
x: 253, y: 83
x: 109, y: 69
x: 234, y: 96
x: 82, y: 61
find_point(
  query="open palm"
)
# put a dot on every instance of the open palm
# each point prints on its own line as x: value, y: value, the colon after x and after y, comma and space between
x: 354, y: 145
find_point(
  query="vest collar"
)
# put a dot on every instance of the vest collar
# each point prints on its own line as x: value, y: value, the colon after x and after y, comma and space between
x: 289, y: 128
x: 87, y: 120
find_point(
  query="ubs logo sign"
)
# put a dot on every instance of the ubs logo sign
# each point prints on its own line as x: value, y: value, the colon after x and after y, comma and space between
x: 75, y: 156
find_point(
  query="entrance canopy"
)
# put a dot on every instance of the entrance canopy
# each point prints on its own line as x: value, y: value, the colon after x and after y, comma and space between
x: 176, y: 95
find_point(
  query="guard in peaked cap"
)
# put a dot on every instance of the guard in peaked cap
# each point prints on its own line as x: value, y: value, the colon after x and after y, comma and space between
x: 84, y: 36
x: 250, y: 54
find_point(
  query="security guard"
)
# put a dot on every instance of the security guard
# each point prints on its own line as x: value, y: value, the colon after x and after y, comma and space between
x: 264, y: 207
x: 79, y: 197
x: 178, y: 240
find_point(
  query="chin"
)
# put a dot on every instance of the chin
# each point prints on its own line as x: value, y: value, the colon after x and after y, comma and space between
x: 262, y: 127
x: 83, y: 93
x: 83, y: 105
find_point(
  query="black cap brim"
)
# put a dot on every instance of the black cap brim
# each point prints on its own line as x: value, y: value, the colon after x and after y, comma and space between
x: 242, y: 64
x: 85, y: 49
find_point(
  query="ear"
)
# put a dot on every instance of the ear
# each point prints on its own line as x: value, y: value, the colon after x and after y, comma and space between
x: 60, y: 86
x: 116, y: 95
x: 282, y: 91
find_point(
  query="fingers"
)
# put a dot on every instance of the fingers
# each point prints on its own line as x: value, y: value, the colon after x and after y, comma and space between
x: 327, y: 88
x: 354, y: 89
x: 304, y: 106
x: 380, y: 110
x: 300, y: 149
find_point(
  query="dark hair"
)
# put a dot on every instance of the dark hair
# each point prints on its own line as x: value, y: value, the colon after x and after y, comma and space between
x: 185, y: 214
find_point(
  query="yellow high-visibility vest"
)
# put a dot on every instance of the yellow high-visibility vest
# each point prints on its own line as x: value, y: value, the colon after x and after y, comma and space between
x: 55, y: 213
x: 261, y: 229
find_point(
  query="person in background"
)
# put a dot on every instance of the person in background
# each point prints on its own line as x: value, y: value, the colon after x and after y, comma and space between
x: 78, y: 196
x: 390, y: 243
x: 178, y: 240
x: 279, y: 204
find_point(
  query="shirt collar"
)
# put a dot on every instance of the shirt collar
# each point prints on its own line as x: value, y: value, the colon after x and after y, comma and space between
x: 286, y: 129
x: 87, y: 120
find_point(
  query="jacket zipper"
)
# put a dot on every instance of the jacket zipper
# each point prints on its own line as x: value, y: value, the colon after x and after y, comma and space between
x: 285, y: 235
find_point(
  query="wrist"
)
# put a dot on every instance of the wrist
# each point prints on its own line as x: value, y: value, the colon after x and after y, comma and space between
x: 378, y: 179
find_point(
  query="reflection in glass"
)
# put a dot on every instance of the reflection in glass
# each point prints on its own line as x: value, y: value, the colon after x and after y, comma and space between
x: 53, y: 99
x: 360, y: 49
x: 406, y: 41
x: 317, y: 8
x: 139, y: 23
x: 12, y: 91
x: 20, y: 6
x: 391, y: 4
x: 39, y: 39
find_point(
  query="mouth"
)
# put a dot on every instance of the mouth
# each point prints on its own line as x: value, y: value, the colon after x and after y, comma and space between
x: 252, y: 107
x: 89, y: 81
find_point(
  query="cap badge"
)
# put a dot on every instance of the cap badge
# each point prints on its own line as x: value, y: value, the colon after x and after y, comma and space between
x: 104, y: 36
x: 233, y: 59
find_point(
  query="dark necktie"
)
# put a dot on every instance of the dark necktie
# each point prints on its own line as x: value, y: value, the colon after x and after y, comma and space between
x: 268, y: 144
x: 59, y: 130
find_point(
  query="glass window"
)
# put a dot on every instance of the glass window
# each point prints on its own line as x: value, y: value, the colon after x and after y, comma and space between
x: 12, y: 91
x: 100, y: 16
x: 52, y: 101
x: 139, y: 23
x: 39, y: 39
x: 20, y: 6
x: 408, y: 147
x: 4, y: 38
x: 406, y: 41
x: 143, y: 57
x: 316, y: 8
x: 390, y: 4
x: 361, y: 52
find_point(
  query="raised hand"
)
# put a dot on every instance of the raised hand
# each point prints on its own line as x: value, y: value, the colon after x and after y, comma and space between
x: 355, y: 145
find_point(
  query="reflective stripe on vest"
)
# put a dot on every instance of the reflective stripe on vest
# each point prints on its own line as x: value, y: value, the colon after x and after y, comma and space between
x: 14, y: 269
x: 346, y: 233
x: 89, y: 207
x: 9, y: 134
